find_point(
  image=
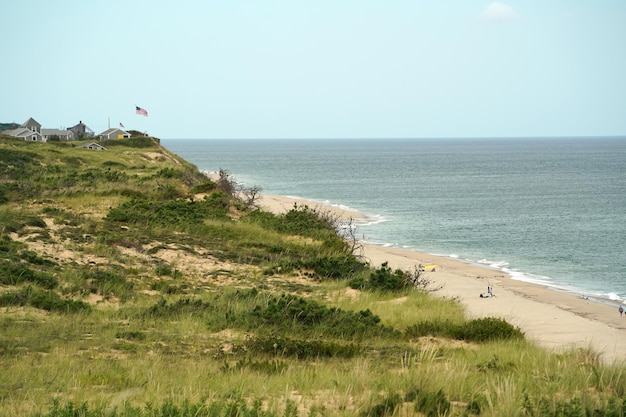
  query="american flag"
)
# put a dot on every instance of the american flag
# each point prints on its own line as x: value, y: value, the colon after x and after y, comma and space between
x: 141, y: 111
x: 121, y: 125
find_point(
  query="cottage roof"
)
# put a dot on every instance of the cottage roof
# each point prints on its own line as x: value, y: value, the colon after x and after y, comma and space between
x: 58, y: 132
x: 19, y: 132
x: 94, y: 145
x: 114, y: 130
x: 31, y: 121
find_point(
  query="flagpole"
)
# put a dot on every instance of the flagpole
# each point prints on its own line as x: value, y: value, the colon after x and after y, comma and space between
x: 109, y: 122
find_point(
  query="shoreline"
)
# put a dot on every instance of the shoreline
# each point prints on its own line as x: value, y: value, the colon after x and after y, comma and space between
x: 550, y: 317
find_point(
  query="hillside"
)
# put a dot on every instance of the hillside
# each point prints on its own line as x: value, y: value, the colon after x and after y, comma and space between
x: 8, y: 126
x: 133, y: 285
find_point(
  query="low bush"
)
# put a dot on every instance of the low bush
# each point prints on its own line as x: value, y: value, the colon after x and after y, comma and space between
x: 300, y: 220
x: 13, y: 163
x: 583, y: 406
x: 171, y: 212
x: 292, y: 313
x: 490, y: 328
x: 3, y: 197
x: 32, y: 258
x: 182, y: 306
x: 44, y: 300
x: 206, y: 186
x: 427, y: 403
x: 168, y: 173
x: 387, y: 407
x: 476, y: 330
x: 432, y: 404
x: 383, y: 278
x: 136, y: 142
x: 335, y: 267
x: 14, y: 273
x: 300, y: 348
x: 131, y: 335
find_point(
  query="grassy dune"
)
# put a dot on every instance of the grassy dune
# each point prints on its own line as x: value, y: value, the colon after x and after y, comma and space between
x: 132, y: 285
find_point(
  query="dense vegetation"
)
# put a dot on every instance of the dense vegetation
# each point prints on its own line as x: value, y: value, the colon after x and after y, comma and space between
x: 133, y: 285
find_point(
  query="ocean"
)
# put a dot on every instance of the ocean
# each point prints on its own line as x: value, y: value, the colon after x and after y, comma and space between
x: 546, y: 210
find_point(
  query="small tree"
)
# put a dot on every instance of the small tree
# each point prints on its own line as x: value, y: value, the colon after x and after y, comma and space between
x: 226, y: 182
x: 349, y: 231
x: 419, y: 280
x: 249, y: 195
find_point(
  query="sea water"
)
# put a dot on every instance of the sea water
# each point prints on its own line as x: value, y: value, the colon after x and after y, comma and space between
x: 545, y: 210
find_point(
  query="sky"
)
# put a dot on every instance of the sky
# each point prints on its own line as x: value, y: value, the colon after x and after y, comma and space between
x: 317, y: 69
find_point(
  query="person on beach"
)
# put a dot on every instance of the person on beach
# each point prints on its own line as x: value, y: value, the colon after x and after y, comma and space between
x: 621, y: 310
x: 490, y: 291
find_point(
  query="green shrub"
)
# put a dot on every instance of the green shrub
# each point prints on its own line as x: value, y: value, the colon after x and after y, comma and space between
x: 44, y: 300
x: 73, y: 162
x: 113, y: 164
x: 300, y: 348
x: 182, y: 306
x: 111, y: 175
x: 131, y: 335
x: 383, y: 279
x: 490, y: 328
x: 476, y: 330
x: 171, y: 212
x: 135, y: 142
x: 33, y: 221
x: 335, y: 267
x: 14, y: 273
x: 583, y: 406
x: 300, y: 220
x: 495, y: 365
x: 432, y: 404
x: 206, y: 186
x: 386, y: 407
x: 291, y: 313
x: 33, y: 258
x: 163, y: 270
x: 15, y: 164
x: 168, y: 173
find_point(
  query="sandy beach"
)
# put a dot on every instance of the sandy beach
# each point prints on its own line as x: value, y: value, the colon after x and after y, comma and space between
x: 553, y: 319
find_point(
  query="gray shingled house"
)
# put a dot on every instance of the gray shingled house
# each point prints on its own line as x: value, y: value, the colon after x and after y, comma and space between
x: 114, y: 133
x: 62, y: 134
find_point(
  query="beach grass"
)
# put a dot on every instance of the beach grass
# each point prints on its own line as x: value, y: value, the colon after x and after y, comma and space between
x: 108, y: 309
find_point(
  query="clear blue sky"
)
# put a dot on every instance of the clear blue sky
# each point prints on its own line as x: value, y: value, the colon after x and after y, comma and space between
x: 318, y: 69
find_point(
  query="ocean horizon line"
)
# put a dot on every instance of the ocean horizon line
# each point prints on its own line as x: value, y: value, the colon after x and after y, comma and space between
x: 409, y: 138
